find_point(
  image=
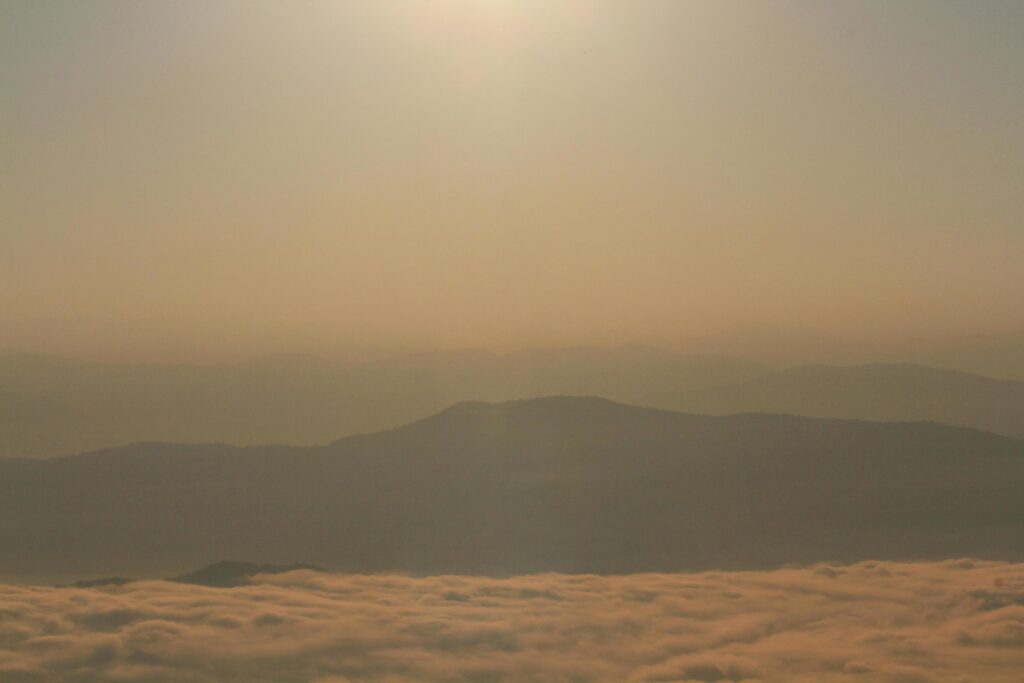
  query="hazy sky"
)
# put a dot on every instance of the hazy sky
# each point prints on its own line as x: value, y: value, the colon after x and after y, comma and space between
x: 505, y: 172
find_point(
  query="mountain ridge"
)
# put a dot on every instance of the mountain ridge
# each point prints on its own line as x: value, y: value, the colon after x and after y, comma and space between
x: 57, y: 406
x: 470, y: 409
x: 874, y: 392
x: 559, y: 484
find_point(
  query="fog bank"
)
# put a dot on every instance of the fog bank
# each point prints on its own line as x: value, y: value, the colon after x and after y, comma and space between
x: 908, y: 623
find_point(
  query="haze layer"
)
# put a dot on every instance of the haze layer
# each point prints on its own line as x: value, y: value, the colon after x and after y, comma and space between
x: 191, y: 179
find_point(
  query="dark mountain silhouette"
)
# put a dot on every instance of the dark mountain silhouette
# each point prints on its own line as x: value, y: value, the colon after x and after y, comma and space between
x: 781, y: 345
x: 555, y: 484
x: 223, y: 574
x: 56, y: 406
x: 96, y: 583
x: 233, y: 573
x: 995, y: 355
x: 869, y: 392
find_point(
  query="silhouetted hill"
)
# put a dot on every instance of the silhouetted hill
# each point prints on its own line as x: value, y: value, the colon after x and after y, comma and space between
x: 233, y: 573
x: 105, y: 581
x: 223, y: 574
x: 56, y: 406
x: 869, y: 392
x: 559, y: 484
x: 997, y: 355
x: 994, y: 355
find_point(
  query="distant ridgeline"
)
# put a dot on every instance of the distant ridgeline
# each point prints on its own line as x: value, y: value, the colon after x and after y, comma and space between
x: 52, y: 406
x: 554, y: 484
x: 58, y: 406
x: 884, y: 392
x: 224, y: 574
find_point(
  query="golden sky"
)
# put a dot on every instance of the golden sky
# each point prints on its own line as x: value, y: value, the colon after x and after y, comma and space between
x: 502, y: 173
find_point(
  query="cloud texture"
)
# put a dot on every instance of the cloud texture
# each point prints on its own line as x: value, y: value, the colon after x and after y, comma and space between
x: 954, y: 621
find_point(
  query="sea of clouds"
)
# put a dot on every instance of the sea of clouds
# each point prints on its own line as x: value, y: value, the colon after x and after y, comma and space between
x: 951, y: 621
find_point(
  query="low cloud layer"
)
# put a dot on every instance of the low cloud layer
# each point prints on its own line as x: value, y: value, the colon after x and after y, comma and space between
x: 955, y: 621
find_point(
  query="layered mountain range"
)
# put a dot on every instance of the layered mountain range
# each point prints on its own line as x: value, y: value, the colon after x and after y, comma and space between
x: 54, y: 406
x: 569, y: 484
